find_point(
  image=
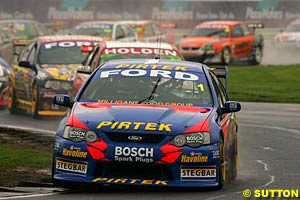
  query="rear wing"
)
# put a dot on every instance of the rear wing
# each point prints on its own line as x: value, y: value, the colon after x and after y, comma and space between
x: 19, y: 45
x: 255, y: 25
x: 221, y: 72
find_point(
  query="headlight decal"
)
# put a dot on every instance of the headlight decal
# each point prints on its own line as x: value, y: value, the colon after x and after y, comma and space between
x: 192, y: 139
x: 78, y: 135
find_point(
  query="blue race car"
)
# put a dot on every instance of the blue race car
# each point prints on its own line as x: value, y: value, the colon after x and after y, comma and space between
x: 148, y: 122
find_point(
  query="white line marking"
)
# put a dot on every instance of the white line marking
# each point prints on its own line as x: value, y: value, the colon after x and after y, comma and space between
x: 27, y: 196
x: 267, y: 148
x: 263, y: 163
x: 273, y: 127
x: 270, y: 182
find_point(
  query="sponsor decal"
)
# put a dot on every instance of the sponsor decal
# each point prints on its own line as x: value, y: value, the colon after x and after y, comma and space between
x: 68, y: 44
x: 148, y: 103
x: 147, y: 126
x: 130, y: 181
x: 192, y: 173
x: 216, y: 154
x: 140, y: 51
x: 134, y: 154
x: 150, y: 73
x: 134, y: 137
x: 194, y: 159
x: 77, y: 134
x: 74, y: 152
x: 150, y: 66
x: 56, y: 146
x: 80, y: 168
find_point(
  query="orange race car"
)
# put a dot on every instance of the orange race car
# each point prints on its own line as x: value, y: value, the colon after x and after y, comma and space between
x: 222, y: 42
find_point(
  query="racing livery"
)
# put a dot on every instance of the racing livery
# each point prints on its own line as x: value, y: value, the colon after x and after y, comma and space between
x: 4, y: 72
x: 223, y: 42
x: 290, y: 37
x: 151, y: 122
x: 46, y: 66
x: 109, y: 50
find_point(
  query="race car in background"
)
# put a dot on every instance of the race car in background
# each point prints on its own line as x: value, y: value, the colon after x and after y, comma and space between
x: 4, y: 73
x: 223, y: 42
x: 290, y: 37
x: 153, y: 122
x: 108, y: 30
x: 23, y: 29
x: 111, y: 50
x: 6, y: 47
x: 151, y: 31
x: 46, y: 67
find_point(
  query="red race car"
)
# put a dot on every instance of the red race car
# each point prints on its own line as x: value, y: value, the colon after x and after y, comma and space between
x: 222, y: 42
x: 110, y: 50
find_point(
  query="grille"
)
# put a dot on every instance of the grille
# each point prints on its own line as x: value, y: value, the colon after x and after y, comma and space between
x: 144, y: 138
x: 137, y: 171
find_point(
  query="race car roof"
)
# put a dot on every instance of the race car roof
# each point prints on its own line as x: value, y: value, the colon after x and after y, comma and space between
x: 56, y: 38
x: 155, y: 64
x: 96, y: 22
x: 117, y: 44
x: 227, y: 23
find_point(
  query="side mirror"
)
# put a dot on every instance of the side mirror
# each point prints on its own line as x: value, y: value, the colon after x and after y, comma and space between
x: 232, y: 106
x: 27, y: 64
x: 62, y: 100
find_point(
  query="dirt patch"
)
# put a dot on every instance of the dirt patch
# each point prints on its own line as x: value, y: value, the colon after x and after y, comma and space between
x: 20, y: 175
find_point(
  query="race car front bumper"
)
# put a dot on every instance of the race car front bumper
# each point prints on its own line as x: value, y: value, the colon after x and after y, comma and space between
x: 201, y: 56
x: 135, y: 164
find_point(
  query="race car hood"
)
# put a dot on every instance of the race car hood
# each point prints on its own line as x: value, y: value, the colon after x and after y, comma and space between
x: 194, y: 42
x: 139, y: 118
x: 61, y: 72
x: 288, y: 36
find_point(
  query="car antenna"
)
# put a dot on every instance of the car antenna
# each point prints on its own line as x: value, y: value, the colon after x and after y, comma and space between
x: 159, y: 37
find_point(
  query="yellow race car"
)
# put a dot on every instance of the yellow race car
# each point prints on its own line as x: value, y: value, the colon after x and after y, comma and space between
x: 45, y: 67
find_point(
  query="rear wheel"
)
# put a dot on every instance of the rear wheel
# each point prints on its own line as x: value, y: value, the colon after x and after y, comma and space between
x: 234, y: 162
x: 12, y: 102
x: 226, y: 57
x: 256, y: 58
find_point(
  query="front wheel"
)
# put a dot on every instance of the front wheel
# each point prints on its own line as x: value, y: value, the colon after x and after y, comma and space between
x: 222, y: 169
x: 226, y: 57
x: 12, y: 102
x: 35, y: 102
x: 256, y: 58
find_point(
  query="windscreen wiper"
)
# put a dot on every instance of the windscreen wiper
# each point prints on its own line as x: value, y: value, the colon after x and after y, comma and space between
x: 151, y: 96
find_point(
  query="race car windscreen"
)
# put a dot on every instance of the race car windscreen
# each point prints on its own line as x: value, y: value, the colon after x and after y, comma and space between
x: 293, y: 28
x: 61, y: 53
x: 100, y: 30
x: 147, y: 90
x: 210, y: 32
x: 107, y: 57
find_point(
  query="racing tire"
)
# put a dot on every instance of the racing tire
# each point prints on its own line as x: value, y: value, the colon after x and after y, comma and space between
x: 12, y: 104
x: 232, y: 173
x: 222, y: 167
x: 256, y: 58
x: 35, y: 102
x: 226, y: 57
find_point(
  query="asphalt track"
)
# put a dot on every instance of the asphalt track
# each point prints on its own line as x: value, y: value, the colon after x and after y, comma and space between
x: 269, y: 137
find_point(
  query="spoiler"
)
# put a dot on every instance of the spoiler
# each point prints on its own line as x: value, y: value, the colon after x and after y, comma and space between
x: 221, y: 72
x: 255, y: 25
x: 19, y: 45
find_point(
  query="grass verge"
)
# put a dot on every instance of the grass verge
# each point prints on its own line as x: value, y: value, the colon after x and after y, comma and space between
x: 23, y: 160
x: 265, y: 83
